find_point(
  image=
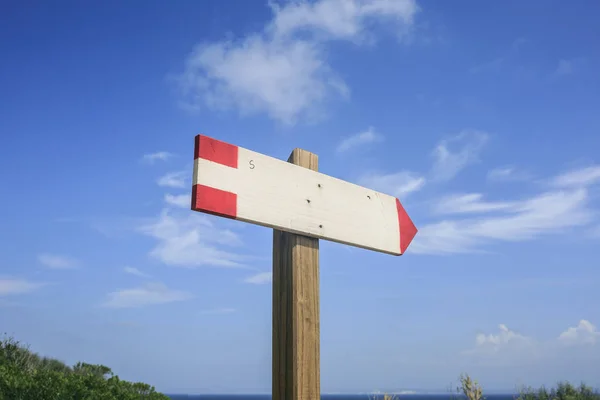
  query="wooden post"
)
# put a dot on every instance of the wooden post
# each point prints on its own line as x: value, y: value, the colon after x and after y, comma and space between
x: 296, y: 333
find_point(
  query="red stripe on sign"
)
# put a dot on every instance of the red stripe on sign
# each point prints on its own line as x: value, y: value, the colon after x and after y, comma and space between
x: 214, y: 201
x: 214, y: 150
x: 408, y: 230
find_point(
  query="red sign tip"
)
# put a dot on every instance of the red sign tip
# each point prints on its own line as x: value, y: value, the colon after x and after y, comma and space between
x: 407, y: 228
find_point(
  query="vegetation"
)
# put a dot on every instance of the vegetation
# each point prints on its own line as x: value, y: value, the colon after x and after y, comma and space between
x: 25, y: 375
x: 563, y: 391
x: 470, y: 389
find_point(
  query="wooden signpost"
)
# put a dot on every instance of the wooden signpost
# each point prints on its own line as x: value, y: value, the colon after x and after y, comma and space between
x: 302, y: 206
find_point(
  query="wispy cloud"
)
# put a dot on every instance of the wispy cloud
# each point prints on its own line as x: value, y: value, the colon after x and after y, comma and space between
x: 507, y: 173
x: 399, y: 184
x: 546, y: 213
x: 148, y: 294
x: 471, y: 203
x: 12, y: 286
x: 454, y: 154
x: 361, y: 138
x: 158, y: 156
x: 191, y: 240
x: 564, y: 206
x: 54, y: 261
x: 180, y: 200
x: 578, y: 177
x: 261, y: 278
x: 283, y: 71
x: 173, y: 179
x: 136, y: 272
x: 217, y: 311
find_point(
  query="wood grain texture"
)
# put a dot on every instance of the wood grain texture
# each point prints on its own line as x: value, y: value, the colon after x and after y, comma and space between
x: 280, y: 195
x: 296, y: 327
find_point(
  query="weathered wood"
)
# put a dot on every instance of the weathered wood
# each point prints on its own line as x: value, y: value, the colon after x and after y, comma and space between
x: 238, y: 183
x: 296, y: 328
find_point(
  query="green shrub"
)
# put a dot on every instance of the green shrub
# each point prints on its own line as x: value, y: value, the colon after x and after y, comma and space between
x: 563, y: 391
x: 25, y: 375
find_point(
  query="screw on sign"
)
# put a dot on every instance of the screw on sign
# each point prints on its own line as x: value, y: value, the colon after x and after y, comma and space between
x: 302, y: 206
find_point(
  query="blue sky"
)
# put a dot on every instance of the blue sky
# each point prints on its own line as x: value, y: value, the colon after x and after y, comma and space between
x: 482, y: 118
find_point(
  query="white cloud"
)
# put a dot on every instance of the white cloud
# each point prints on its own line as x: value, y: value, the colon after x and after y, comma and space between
x: 173, y: 179
x: 158, y: 156
x: 136, y: 272
x: 261, y: 278
x: 340, y: 19
x: 10, y: 286
x: 578, y: 177
x: 55, y: 261
x: 470, y: 203
x: 584, y: 333
x: 191, y: 240
x: 283, y: 70
x: 507, y: 174
x: 148, y: 294
x: 180, y: 200
x: 503, y: 348
x: 546, y: 213
x: 496, y: 342
x: 399, y: 184
x: 365, y: 137
x: 452, y: 155
x: 284, y: 80
x: 507, y: 345
x: 218, y: 311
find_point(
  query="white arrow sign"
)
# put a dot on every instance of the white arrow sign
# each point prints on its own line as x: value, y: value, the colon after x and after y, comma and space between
x: 237, y: 183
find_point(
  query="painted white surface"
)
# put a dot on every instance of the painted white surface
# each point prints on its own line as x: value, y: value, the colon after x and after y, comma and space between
x: 274, y: 194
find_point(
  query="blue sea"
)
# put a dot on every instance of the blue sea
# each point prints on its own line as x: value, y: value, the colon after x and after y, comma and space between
x: 448, y: 396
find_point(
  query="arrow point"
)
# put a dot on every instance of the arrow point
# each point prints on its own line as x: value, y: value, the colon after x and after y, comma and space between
x: 407, y: 228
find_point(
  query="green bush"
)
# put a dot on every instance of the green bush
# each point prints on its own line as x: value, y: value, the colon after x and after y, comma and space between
x: 25, y: 375
x: 563, y: 391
